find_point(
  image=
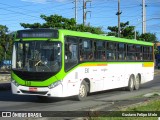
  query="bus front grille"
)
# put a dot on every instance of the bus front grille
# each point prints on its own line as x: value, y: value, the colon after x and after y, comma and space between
x: 32, y: 92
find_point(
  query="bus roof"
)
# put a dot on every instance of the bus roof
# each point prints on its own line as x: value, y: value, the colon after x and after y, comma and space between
x: 101, y: 37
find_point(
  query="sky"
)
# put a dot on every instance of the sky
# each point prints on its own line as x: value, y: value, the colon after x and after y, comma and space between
x: 102, y: 13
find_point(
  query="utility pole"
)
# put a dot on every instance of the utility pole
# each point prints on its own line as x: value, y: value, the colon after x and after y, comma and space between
x: 118, y: 14
x: 143, y: 17
x: 84, y: 8
x: 135, y: 34
x: 75, y: 2
x: 84, y: 11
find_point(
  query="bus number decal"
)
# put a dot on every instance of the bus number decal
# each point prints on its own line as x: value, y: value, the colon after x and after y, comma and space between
x: 86, y: 70
x: 27, y: 83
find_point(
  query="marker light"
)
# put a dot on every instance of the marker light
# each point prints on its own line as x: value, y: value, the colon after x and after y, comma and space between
x: 15, y: 83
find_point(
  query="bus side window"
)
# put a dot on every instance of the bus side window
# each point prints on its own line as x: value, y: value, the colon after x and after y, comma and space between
x: 81, y: 57
x: 121, y: 51
x: 85, y: 50
x: 139, y: 55
x: 67, y: 52
x: 103, y: 56
x: 71, y: 52
x: 111, y: 51
x: 99, y: 50
x: 150, y: 53
x: 131, y: 52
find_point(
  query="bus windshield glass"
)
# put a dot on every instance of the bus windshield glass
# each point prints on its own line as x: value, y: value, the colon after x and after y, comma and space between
x: 37, y: 56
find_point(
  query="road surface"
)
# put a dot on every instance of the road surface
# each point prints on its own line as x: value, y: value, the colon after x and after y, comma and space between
x: 106, y: 100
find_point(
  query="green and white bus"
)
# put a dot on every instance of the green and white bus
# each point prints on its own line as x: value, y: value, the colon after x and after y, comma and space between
x: 61, y: 63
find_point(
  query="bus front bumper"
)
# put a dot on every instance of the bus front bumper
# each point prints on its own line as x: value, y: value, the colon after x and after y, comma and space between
x: 56, y: 91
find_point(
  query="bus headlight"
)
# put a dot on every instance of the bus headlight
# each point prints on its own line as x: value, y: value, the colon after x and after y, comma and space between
x: 54, y: 84
x: 15, y: 83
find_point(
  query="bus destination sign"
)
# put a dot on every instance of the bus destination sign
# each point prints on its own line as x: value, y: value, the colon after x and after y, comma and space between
x: 38, y: 33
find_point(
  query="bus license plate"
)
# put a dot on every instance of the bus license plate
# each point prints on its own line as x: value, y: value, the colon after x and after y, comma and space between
x: 33, y: 89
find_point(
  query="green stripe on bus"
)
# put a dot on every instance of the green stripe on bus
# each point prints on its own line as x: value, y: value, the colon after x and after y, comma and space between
x: 100, y: 37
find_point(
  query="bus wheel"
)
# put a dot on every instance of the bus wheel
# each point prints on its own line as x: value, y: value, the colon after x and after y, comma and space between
x: 137, y: 82
x: 131, y: 83
x: 82, y: 91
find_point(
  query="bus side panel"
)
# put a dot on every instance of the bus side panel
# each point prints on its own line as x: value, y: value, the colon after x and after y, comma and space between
x: 148, y: 71
x: 118, y: 74
x: 71, y: 83
x: 112, y: 76
x: 94, y: 74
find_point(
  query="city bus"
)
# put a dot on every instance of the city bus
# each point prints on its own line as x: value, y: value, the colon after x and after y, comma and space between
x: 62, y: 63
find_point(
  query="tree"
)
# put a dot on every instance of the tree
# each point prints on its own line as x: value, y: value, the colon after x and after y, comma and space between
x: 6, y: 41
x: 59, y: 22
x: 126, y: 30
x: 53, y: 21
x: 149, y: 37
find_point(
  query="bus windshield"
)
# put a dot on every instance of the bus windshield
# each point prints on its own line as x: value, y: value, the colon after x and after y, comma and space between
x: 37, y: 56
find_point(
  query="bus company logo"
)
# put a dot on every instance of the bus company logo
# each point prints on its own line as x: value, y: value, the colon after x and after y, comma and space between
x: 6, y: 114
x: 27, y: 83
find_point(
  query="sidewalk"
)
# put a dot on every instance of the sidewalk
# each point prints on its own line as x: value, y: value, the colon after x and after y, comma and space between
x: 156, y: 71
x: 5, y: 80
x: 5, y: 77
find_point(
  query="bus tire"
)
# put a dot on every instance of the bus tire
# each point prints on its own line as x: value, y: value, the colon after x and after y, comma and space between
x: 137, y: 82
x: 131, y: 83
x: 83, y: 90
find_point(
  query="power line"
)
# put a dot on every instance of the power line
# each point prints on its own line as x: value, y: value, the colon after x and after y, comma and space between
x: 33, y: 11
x: 18, y: 12
x: 11, y: 6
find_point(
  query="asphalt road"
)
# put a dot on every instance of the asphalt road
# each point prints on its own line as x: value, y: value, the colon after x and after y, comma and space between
x: 106, y: 99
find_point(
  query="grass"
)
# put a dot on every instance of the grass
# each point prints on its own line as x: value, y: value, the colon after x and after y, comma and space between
x: 145, y: 108
x: 153, y: 105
